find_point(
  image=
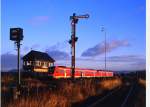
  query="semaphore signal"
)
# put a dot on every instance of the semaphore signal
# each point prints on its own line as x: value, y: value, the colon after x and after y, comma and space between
x: 74, y: 20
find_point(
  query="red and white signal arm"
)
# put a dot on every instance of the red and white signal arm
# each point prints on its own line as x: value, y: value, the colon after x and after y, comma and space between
x: 16, y: 34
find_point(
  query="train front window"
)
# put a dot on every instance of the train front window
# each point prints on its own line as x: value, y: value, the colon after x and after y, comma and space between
x: 61, y: 71
x: 51, y: 70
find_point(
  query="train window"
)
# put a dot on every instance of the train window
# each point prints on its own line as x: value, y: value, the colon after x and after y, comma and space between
x: 61, y: 71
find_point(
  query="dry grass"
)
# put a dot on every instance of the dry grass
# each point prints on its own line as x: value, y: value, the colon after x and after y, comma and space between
x: 110, y: 84
x: 7, y: 79
x: 78, y: 91
x: 30, y: 82
x: 66, y: 94
x: 4, y: 89
x: 142, y: 82
x: 45, y: 100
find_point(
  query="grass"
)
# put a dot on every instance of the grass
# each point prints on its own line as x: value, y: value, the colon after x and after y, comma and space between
x: 142, y: 82
x: 110, y: 83
x: 7, y: 78
x: 141, y: 95
x: 48, y: 99
x: 67, y: 93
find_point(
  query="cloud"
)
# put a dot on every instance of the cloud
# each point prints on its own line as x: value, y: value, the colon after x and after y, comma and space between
x: 127, y: 62
x: 100, y: 48
x: 26, y: 49
x: 38, y: 20
x: 9, y: 61
x: 59, y: 46
x: 139, y: 65
x: 58, y: 51
x: 126, y: 58
x: 35, y: 46
x: 115, y: 63
x: 58, y: 55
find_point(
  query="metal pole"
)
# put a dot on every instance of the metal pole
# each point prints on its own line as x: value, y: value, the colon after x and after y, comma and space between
x: 18, y: 64
x: 105, y: 50
x: 73, y: 47
x: 16, y: 34
x: 103, y: 30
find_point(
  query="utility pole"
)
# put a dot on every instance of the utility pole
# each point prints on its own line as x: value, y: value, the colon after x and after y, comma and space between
x: 104, y: 30
x: 74, y: 20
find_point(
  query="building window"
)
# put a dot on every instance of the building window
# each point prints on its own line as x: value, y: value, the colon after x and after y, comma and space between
x: 24, y: 63
x: 37, y: 63
x: 42, y: 63
x: 50, y: 64
x: 28, y: 62
x: 47, y: 64
x: 32, y: 63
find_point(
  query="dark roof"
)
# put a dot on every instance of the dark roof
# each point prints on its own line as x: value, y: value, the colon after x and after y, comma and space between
x: 36, y: 55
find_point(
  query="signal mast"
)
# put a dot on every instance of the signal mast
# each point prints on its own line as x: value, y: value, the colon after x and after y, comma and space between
x: 16, y: 34
x: 74, y: 20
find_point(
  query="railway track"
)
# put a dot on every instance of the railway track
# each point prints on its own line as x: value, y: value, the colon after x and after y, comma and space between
x: 121, y: 97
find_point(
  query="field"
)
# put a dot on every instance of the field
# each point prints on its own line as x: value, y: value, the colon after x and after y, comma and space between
x: 39, y: 92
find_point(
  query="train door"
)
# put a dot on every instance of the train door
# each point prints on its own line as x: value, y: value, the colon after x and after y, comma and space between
x: 65, y: 73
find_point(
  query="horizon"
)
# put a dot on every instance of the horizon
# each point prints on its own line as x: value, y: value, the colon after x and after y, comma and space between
x: 122, y: 71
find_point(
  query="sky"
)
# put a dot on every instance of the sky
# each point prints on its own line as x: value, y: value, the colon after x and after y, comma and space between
x: 47, y: 28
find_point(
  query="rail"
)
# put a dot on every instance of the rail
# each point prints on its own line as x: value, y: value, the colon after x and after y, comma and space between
x: 112, y: 95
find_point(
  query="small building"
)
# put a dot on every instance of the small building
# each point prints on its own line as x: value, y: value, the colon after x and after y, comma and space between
x: 37, y: 61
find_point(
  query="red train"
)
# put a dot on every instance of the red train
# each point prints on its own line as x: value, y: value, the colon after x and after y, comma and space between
x: 65, y: 72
